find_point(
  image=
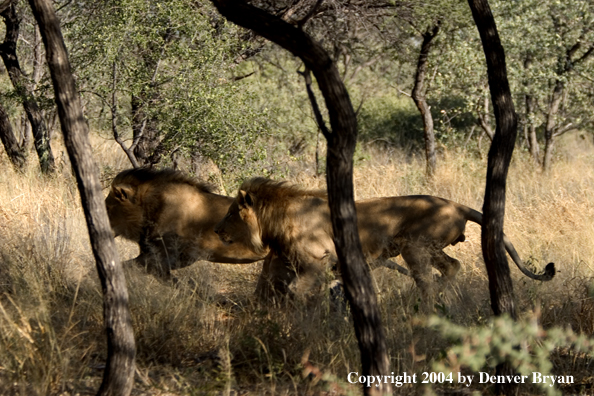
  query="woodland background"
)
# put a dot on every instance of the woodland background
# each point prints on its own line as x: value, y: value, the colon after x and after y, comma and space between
x: 172, y: 83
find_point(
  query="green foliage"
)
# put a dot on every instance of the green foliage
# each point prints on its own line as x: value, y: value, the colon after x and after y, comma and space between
x: 524, y: 344
x: 544, y: 32
x: 392, y: 119
x: 178, y: 58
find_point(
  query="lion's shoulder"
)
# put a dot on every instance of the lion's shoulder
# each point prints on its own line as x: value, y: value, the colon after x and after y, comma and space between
x: 158, y: 178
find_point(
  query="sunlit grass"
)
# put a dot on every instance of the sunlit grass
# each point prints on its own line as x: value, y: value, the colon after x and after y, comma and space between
x: 207, y: 335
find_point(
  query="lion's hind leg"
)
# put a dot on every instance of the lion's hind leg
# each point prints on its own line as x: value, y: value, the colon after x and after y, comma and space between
x: 418, y: 259
x: 386, y: 262
x: 386, y: 259
x: 448, y: 266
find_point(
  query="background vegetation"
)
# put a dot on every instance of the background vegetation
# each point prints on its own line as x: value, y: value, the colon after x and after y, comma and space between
x: 195, y: 92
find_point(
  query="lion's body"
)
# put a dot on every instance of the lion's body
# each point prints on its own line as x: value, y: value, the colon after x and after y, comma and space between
x: 172, y: 218
x: 296, y: 225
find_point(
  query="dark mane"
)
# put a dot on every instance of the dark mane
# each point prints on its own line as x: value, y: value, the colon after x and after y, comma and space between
x: 271, y: 200
x: 279, y: 191
x: 139, y: 176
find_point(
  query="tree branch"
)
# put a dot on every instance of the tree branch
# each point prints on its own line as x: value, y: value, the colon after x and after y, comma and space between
x: 314, y: 104
x: 114, y: 115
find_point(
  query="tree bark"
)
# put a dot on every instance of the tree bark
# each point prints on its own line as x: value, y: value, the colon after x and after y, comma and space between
x: 532, y: 140
x: 418, y: 95
x: 483, y: 118
x: 147, y: 148
x: 114, y: 120
x: 144, y: 131
x: 530, y: 107
x: 551, y: 123
x: 566, y: 65
x: 15, y: 152
x: 24, y: 89
x: 500, y: 153
x: 119, y: 372
x: 341, y: 146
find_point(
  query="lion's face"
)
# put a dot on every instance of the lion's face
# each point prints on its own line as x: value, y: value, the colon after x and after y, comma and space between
x: 125, y: 216
x: 240, y: 225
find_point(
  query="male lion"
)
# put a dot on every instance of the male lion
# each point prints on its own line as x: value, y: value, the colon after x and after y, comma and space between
x: 295, y: 225
x: 172, y: 218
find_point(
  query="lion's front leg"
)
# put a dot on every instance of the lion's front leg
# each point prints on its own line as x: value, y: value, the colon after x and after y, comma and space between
x: 155, y: 258
x: 275, y: 278
x: 311, y: 275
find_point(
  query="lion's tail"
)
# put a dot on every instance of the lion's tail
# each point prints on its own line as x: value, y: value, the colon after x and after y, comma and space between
x: 549, y: 272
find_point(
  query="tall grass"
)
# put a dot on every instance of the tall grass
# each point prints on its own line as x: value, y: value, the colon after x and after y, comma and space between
x: 206, y: 334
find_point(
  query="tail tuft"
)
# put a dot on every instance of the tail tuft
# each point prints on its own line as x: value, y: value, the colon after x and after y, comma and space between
x: 549, y: 272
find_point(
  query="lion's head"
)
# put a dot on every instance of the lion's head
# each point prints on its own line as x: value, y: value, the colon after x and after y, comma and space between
x: 258, y: 213
x: 241, y: 224
x: 123, y: 209
x: 135, y: 194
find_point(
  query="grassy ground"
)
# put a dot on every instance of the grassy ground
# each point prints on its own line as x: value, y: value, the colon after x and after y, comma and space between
x: 207, y: 336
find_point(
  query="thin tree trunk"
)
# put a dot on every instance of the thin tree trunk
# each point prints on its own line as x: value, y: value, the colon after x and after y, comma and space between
x: 147, y: 148
x: 551, y: 123
x: 15, y: 152
x: 24, y: 90
x: 119, y: 372
x: 418, y: 95
x: 530, y: 107
x: 144, y: 131
x: 500, y: 284
x: 341, y: 146
x: 532, y: 141
x: 114, y: 120
x: 483, y: 118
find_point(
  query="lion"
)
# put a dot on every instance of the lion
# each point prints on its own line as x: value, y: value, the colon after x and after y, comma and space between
x: 294, y: 224
x: 171, y: 217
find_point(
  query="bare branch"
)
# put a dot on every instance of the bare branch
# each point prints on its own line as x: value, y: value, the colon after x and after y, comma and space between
x: 483, y: 119
x: 314, y: 104
x: 114, y: 115
x: 310, y: 14
x: 238, y: 78
x: 4, y: 5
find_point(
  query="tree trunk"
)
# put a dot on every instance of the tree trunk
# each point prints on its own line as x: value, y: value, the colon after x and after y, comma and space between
x: 500, y: 153
x: 483, y: 118
x: 341, y: 146
x: 418, y: 95
x: 119, y: 372
x: 532, y: 141
x: 15, y: 152
x: 551, y: 123
x: 144, y: 131
x: 530, y: 107
x: 24, y: 90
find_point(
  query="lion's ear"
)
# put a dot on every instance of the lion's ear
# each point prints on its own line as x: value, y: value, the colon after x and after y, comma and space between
x: 245, y: 199
x: 123, y: 193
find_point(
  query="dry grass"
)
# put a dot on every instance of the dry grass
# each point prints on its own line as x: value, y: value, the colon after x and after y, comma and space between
x: 205, y: 335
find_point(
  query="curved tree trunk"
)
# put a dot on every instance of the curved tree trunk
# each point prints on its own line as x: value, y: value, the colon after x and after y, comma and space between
x: 500, y: 284
x: 418, y: 95
x: 14, y: 151
x: 24, y: 90
x: 119, y: 372
x: 341, y: 146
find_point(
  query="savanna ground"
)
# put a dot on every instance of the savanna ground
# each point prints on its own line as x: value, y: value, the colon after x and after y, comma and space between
x: 206, y: 334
